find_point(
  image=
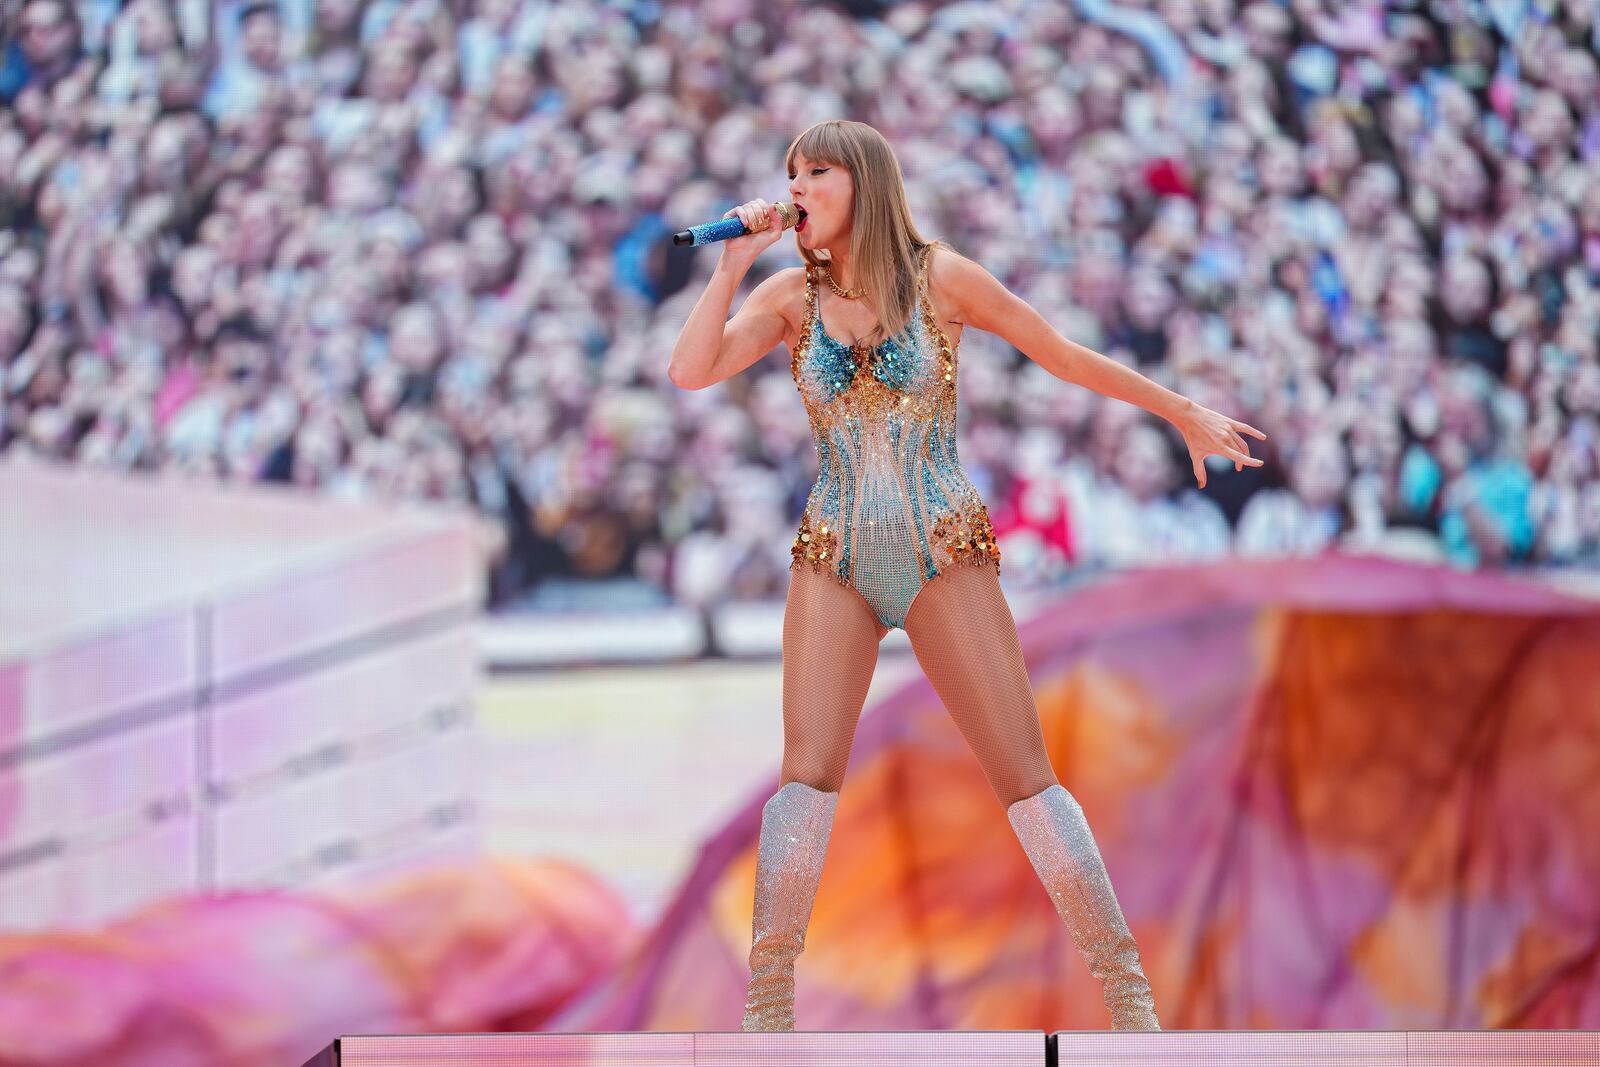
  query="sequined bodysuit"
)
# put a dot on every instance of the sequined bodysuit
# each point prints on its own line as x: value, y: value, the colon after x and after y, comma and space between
x: 891, y: 507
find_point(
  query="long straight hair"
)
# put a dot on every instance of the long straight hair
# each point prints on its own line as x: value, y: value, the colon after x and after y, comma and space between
x: 885, y: 246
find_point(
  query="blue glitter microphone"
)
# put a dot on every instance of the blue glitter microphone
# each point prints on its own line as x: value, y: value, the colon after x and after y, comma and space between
x: 725, y: 229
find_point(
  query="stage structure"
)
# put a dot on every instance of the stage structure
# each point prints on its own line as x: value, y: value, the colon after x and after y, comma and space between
x: 989, y: 1048
x: 205, y: 688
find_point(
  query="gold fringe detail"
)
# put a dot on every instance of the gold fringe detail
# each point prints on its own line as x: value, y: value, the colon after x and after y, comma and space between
x: 816, y: 548
x: 964, y: 536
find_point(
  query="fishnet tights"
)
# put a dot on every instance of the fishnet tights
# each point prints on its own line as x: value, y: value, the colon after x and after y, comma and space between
x: 963, y: 634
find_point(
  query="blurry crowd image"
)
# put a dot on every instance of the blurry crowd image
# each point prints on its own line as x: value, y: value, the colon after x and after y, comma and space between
x: 419, y: 250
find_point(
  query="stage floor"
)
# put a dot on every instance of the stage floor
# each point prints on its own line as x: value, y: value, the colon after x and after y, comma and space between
x: 1023, y: 1048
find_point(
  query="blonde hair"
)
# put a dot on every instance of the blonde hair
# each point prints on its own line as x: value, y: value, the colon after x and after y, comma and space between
x: 885, y: 246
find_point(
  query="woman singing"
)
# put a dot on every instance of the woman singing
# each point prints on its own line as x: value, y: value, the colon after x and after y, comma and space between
x: 894, y: 533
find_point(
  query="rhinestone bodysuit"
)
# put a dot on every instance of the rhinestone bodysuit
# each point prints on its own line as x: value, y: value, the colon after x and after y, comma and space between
x: 891, y: 508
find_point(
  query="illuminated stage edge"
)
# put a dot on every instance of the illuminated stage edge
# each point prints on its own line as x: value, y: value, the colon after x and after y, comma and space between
x: 991, y: 1048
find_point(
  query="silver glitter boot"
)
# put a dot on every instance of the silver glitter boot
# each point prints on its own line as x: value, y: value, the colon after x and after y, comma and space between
x: 1056, y: 837
x: 795, y: 826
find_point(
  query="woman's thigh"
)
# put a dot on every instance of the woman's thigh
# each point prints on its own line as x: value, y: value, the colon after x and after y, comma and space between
x: 965, y: 637
x: 830, y: 649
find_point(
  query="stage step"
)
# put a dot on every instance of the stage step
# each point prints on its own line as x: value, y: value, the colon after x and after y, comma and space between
x: 989, y: 1048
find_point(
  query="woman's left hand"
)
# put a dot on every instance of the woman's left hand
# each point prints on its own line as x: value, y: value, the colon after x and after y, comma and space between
x: 1208, y: 432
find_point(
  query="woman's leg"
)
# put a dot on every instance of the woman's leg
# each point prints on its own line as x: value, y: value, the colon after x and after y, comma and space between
x: 965, y: 638
x: 830, y: 648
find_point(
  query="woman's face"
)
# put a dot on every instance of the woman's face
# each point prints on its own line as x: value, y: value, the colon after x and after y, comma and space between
x: 827, y: 194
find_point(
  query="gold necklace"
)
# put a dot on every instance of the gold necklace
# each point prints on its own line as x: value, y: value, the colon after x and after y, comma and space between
x: 848, y: 294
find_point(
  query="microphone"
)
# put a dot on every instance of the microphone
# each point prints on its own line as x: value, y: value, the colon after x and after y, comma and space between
x: 724, y: 229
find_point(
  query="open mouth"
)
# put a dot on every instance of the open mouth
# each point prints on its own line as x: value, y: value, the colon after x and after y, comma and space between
x: 802, y: 223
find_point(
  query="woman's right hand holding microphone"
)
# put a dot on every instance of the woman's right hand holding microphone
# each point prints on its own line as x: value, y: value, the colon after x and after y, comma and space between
x: 761, y: 219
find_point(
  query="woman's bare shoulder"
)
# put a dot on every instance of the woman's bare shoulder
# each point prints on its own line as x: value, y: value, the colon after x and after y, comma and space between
x: 783, y: 293
x: 792, y: 279
x: 946, y: 265
x: 950, y: 276
x: 781, y: 286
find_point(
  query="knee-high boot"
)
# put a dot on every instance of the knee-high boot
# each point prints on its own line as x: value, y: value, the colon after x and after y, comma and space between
x: 795, y: 826
x: 1056, y: 837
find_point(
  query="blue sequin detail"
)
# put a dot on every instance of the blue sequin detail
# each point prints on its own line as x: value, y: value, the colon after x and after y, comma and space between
x: 924, y: 557
x: 849, y: 501
x: 937, y: 501
x: 720, y: 230
x: 829, y: 484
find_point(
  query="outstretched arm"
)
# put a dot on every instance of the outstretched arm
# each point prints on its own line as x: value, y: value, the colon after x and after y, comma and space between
x: 978, y: 299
